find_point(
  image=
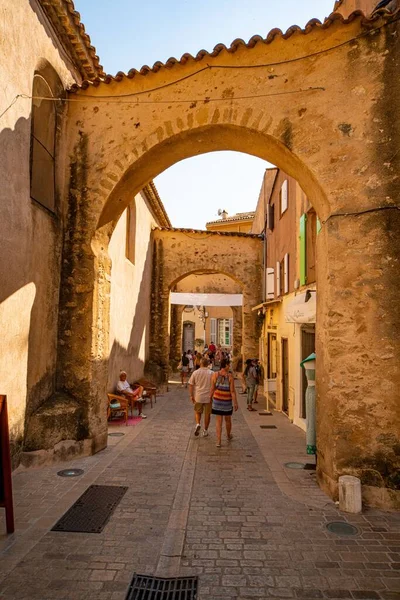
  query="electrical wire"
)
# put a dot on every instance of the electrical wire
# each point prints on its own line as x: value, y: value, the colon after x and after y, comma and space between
x: 10, y: 105
x: 114, y: 98
x: 205, y: 100
x: 361, y: 212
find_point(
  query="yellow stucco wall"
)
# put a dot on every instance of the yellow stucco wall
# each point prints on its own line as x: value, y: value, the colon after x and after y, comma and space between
x: 31, y: 238
x: 130, y: 290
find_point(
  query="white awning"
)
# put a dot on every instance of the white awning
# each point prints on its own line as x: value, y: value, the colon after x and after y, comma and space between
x: 300, y: 311
x: 206, y: 299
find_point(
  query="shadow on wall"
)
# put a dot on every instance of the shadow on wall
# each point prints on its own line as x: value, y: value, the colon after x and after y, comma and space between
x: 127, y: 359
x: 30, y: 260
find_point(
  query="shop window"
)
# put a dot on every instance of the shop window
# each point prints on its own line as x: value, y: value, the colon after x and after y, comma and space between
x: 284, y: 196
x: 131, y: 232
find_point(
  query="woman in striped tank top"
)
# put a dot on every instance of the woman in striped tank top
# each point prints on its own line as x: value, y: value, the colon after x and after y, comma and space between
x: 223, y: 396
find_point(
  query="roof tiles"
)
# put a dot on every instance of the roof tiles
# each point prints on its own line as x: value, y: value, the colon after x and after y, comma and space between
x: 235, y: 45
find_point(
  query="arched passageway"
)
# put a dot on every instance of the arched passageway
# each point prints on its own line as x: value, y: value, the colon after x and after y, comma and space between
x: 325, y: 117
x: 179, y: 253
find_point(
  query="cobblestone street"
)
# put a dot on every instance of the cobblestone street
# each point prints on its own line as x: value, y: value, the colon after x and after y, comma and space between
x: 235, y: 516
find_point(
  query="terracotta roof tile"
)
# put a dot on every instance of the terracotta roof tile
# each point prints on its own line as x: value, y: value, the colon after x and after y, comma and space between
x: 67, y: 22
x: 249, y: 216
x: 225, y: 233
x: 236, y: 44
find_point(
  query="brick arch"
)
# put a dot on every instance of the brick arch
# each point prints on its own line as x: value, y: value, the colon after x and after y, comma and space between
x: 319, y: 103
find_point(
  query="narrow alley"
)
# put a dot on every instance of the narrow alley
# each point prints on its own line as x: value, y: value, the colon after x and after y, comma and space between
x: 236, y: 517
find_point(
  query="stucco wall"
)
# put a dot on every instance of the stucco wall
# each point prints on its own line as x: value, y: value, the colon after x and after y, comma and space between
x: 31, y: 238
x: 130, y: 292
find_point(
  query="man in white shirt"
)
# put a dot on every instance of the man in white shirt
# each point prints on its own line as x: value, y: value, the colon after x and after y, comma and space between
x: 133, y: 395
x: 199, y: 391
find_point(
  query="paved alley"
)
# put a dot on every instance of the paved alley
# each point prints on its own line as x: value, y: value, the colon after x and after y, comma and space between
x: 235, y: 516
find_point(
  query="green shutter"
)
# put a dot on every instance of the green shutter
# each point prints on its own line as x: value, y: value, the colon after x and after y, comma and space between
x: 303, y: 250
x: 318, y: 226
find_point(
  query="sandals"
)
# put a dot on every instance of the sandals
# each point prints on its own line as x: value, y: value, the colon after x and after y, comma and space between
x: 218, y: 444
x: 250, y: 408
x: 230, y: 437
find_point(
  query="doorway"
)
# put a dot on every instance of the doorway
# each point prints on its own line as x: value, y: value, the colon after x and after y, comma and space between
x: 285, y: 375
x: 307, y: 348
x: 188, y: 336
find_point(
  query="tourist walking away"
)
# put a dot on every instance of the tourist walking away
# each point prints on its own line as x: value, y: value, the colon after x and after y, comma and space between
x: 200, y: 395
x: 184, y: 368
x: 250, y: 374
x: 197, y: 360
x: 260, y: 378
x: 190, y: 357
x: 132, y: 393
x: 223, y: 395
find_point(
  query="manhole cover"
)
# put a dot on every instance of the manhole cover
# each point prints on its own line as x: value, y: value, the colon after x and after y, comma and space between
x: 341, y: 528
x: 268, y: 426
x: 154, y: 588
x: 294, y: 465
x: 91, y: 512
x: 116, y: 434
x: 70, y: 472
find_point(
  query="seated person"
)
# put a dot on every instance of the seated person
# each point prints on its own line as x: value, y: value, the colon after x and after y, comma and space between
x: 133, y: 395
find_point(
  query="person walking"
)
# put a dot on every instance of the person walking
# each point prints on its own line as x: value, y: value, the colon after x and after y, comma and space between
x: 184, y: 366
x: 250, y: 374
x: 199, y: 392
x: 223, y: 396
x: 260, y: 378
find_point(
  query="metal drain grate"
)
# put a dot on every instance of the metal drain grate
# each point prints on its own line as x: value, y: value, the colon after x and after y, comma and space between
x: 92, y: 510
x: 154, y: 588
x: 265, y: 414
x: 268, y: 427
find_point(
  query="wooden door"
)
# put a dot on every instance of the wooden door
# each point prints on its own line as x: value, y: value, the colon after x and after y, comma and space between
x: 285, y: 375
x: 188, y: 337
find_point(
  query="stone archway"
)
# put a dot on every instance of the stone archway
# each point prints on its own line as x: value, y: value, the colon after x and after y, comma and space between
x: 325, y: 117
x: 237, y: 255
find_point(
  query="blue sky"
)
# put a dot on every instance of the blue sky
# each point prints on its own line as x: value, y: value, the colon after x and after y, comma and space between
x: 131, y: 33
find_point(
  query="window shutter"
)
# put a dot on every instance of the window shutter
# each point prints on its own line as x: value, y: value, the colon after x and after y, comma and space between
x: 278, y: 279
x: 230, y: 332
x: 284, y: 196
x: 213, y: 334
x: 270, y: 283
x: 286, y: 274
x: 303, y: 250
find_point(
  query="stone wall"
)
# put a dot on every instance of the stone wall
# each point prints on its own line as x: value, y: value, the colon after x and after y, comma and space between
x: 31, y: 236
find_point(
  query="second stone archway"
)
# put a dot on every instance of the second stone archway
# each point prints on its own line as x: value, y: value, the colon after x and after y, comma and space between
x: 179, y: 253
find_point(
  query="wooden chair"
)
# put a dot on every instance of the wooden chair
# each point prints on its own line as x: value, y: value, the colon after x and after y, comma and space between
x: 113, y: 409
